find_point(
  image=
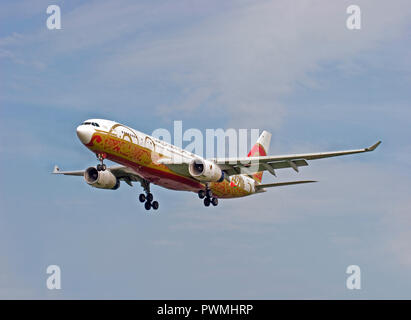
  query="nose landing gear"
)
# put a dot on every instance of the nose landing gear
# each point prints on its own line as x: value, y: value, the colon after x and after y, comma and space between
x: 148, y: 197
x: 101, y: 157
x: 207, y: 195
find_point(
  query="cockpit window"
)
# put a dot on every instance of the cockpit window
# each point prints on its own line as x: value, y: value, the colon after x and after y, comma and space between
x: 95, y: 124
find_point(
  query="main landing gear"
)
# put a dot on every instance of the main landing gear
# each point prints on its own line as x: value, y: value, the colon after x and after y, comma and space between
x: 207, y: 195
x: 148, y: 197
x: 101, y: 157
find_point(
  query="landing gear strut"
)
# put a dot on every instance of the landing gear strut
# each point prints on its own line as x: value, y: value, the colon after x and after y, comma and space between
x: 101, y: 157
x: 148, y: 197
x: 207, y: 195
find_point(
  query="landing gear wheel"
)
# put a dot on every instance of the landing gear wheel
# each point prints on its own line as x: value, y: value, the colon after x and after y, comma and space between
x: 207, y: 202
x: 142, y: 197
x: 209, y: 193
x: 147, y: 198
x: 101, y: 157
x: 155, y: 205
x: 214, y: 201
x: 201, y: 194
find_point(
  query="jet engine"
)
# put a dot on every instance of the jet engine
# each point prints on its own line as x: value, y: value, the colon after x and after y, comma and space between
x: 205, y: 171
x: 101, y: 179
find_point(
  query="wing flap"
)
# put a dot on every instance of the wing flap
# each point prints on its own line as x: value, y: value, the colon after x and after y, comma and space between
x: 256, y: 166
x: 287, y: 164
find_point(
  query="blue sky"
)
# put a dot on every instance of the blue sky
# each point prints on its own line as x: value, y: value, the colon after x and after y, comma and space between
x: 290, y: 67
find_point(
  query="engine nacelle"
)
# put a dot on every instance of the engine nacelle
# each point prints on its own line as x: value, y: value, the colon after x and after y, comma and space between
x: 101, y: 179
x: 205, y: 171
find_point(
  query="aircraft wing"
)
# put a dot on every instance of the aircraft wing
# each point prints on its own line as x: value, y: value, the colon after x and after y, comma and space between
x: 250, y: 165
x: 121, y: 172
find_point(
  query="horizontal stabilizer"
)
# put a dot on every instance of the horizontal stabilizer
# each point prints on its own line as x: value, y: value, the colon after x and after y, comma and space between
x: 128, y: 175
x: 280, y: 184
x: 57, y: 170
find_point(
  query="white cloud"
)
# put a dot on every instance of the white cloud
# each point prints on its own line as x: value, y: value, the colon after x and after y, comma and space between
x: 249, y: 58
x: 207, y: 60
x: 240, y: 62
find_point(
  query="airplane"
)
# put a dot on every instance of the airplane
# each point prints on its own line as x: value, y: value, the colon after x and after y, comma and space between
x: 146, y: 159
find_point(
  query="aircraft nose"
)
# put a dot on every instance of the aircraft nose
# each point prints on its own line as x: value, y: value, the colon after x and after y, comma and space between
x: 84, y: 133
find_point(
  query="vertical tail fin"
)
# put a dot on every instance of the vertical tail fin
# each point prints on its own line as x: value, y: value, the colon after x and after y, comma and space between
x: 260, y: 149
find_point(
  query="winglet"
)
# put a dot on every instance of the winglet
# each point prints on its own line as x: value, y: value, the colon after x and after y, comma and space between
x: 373, y: 147
x: 56, y: 169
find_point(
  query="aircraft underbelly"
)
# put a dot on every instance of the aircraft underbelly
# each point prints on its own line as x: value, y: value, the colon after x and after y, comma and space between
x: 159, y: 177
x: 174, y: 181
x: 140, y: 160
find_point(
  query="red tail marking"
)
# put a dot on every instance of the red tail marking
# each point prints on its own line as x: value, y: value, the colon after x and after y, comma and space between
x: 257, y: 150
